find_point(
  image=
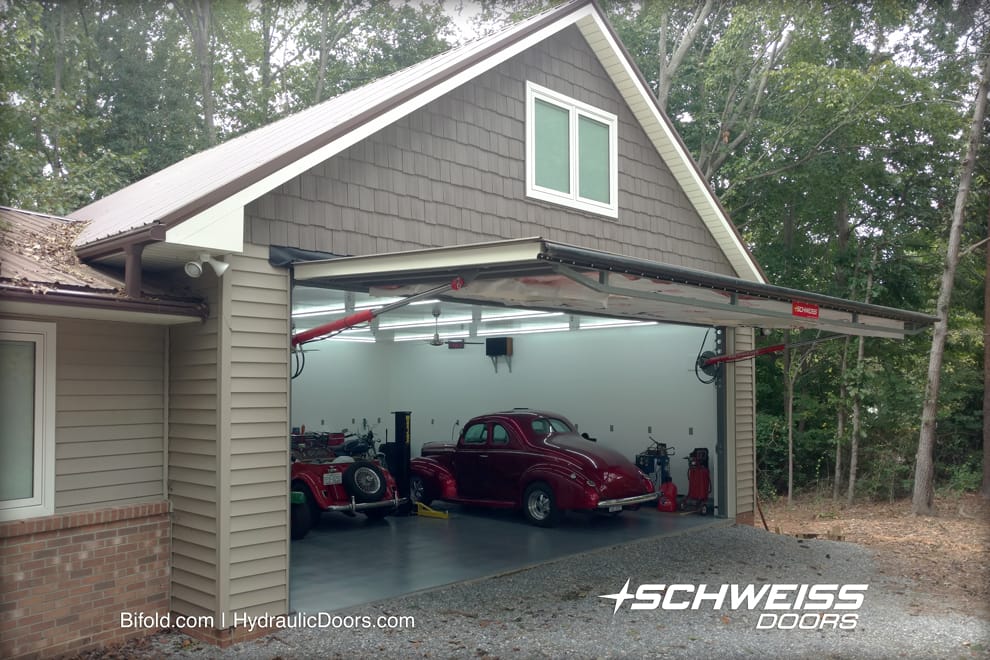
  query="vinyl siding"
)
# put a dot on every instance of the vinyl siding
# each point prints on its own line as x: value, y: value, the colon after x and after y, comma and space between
x: 109, y: 420
x: 258, y: 459
x: 453, y: 172
x: 744, y: 412
x: 192, y: 456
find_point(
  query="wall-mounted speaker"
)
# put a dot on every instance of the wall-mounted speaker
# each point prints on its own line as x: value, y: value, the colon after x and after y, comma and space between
x: 498, y: 346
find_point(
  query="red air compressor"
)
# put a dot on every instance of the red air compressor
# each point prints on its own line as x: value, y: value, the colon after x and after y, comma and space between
x: 699, y: 482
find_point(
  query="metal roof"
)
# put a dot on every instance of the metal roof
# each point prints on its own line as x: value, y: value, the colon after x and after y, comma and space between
x: 195, y: 183
x: 241, y: 169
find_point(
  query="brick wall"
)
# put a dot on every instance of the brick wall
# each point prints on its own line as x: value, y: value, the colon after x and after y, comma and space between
x: 65, y: 579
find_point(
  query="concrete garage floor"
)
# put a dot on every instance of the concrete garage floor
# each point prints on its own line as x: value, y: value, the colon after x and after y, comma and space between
x: 353, y: 561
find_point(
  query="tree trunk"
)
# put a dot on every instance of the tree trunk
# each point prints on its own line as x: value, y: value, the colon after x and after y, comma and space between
x: 267, y: 38
x: 321, y: 75
x: 670, y: 63
x: 857, y: 394
x: 840, y: 422
x: 924, y: 471
x: 198, y: 17
x: 985, y: 490
x: 790, y: 435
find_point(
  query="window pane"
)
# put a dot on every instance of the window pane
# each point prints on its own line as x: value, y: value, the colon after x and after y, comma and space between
x: 593, y: 165
x: 552, y: 150
x: 476, y: 434
x: 499, y: 435
x: 17, y: 415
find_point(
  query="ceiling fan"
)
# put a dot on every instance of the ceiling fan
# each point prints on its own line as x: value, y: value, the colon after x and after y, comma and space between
x: 450, y: 343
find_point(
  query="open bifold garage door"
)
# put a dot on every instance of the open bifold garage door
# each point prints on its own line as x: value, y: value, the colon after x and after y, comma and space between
x: 539, y: 274
x: 627, y: 384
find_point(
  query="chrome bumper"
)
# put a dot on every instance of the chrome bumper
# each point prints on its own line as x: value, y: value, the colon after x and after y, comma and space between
x: 626, y: 501
x: 361, y: 506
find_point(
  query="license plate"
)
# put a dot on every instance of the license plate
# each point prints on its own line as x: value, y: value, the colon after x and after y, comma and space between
x: 333, y: 478
x: 613, y: 509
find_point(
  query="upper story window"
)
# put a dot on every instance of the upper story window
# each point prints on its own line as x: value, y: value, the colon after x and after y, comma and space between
x: 27, y: 419
x: 571, y: 152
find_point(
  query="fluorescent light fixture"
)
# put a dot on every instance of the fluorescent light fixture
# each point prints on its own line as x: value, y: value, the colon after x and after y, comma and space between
x: 361, y: 340
x: 613, y: 323
x: 371, y: 304
x: 428, y: 337
x: 532, y: 330
x: 512, y: 316
x: 318, y: 311
x: 423, y: 324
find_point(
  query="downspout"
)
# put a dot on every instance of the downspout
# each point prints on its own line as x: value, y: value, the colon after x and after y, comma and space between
x: 166, y: 403
x: 132, y: 269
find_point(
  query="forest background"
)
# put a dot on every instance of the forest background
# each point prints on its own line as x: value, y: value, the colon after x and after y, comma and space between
x: 833, y: 132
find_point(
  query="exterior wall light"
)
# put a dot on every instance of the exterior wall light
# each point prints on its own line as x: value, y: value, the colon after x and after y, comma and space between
x: 195, y: 268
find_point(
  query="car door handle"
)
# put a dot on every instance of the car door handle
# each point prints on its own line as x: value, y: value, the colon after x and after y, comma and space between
x: 482, y: 455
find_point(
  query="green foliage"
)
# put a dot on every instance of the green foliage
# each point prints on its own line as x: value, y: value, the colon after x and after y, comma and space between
x: 96, y: 95
x: 831, y: 131
x: 850, y: 149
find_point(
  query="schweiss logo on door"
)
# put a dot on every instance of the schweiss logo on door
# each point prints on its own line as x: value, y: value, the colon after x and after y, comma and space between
x: 786, y: 606
x: 804, y: 310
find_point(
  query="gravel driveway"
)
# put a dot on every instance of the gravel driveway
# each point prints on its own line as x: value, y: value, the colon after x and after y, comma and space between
x: 555, y: 610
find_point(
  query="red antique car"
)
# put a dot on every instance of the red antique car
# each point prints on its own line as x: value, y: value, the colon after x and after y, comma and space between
x: 531, y: 460
x: 322, y: 482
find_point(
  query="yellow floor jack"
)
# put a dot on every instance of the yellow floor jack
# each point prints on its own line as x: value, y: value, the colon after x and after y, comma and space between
x: 428, y: 512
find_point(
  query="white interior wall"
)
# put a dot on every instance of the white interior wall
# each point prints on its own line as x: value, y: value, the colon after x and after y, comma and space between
x: 614, y: 383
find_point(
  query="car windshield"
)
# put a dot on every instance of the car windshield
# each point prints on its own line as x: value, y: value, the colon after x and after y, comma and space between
x: 547, y: 425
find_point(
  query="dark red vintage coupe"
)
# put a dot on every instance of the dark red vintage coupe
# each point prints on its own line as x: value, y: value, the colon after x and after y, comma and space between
x: 531, y: 460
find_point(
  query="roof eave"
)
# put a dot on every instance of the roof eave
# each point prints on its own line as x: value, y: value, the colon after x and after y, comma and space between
x: 104, y: 247
x: 43, y: 294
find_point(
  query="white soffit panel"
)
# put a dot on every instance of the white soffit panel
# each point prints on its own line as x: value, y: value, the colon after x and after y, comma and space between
x: 217, y: 229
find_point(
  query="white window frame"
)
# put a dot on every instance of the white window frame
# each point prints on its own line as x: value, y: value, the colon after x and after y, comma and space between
x: 42, y: 502
x: 576, y: 109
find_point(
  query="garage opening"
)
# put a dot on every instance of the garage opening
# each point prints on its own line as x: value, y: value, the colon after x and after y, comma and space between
x: 612, y: 343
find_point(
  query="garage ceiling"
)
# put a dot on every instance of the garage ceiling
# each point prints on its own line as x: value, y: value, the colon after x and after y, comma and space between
x: 540, y: 275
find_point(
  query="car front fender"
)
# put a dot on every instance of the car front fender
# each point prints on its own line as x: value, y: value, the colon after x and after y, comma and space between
x: 314, y: 489
x: 437, y: 478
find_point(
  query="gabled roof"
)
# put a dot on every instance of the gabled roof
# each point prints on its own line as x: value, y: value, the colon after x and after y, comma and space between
x: 38, y: 265
x: 215, y: 184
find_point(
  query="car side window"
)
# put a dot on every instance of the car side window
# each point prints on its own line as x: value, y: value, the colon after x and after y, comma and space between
x: 540, y: 426
x: 500, y: 436
x: 560, y: 426
x: 476, y: 434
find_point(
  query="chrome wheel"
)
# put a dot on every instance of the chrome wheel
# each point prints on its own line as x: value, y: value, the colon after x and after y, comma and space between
x: 540, y: 505
x: 367, y: 480
x: 417, y: 489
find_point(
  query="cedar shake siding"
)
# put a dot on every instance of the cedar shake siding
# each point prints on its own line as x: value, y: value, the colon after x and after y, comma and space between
x: 453, y: 172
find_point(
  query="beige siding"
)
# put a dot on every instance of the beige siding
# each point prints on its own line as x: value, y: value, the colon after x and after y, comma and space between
x: 258, y: 424
x: 744, y: 412
x: 192, y: 460
x: 110, y: 400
